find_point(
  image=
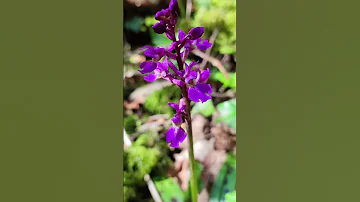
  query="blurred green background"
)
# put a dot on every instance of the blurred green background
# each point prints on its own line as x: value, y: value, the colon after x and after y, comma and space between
x: 147, y: 115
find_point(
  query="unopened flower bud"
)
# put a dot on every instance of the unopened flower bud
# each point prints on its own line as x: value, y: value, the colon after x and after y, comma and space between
x: 196, y: 33
x: 159, y: 28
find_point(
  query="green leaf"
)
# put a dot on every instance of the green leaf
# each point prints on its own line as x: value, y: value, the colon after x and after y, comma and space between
x: 225, y: 181
x: 198, y: 171
x: 227, y: 50
x: 227, y: 112
x: 169, y: 190
x: 130, y: 123
x: 230, y: 197
x: 227, y: 82
x: 203, y: 3
x: 207, y: 108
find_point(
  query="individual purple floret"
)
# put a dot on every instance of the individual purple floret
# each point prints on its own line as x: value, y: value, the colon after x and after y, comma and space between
x: 192, y: 80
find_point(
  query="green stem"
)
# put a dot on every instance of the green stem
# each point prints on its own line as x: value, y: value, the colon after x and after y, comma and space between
x: 193, y: 181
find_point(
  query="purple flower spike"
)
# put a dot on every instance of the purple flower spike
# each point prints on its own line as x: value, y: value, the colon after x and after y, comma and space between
x: 189, y: 77
x: 175, y: 136
x: 196, y: 32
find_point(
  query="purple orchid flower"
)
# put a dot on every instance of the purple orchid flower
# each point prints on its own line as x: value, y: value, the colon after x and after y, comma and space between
x: 175, y: 136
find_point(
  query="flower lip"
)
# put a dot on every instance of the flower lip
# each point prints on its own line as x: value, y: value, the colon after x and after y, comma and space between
x: 156, y: 53
x: 203, y: 45
x: 204, y: 76
x: 175, y: 136
x: 150, y: 78
x: 147, y: 67
x: 199, y: 93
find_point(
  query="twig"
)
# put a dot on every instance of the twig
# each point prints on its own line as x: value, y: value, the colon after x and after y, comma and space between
x: 188, y: 9
x: 225, y: 58
x: 208, y: 51
x: 152, y: 188
x: 229, y: 94
x: 127, y: 140
x: 215, y: 62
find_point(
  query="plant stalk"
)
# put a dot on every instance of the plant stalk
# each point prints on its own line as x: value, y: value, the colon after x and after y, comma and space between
x: 193, y: 181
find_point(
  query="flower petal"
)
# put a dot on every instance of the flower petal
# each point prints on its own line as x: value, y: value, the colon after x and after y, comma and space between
x: 150, y: 53
x: 147, y: 67
x: 203, y: 46
x: 171, y: 36
x: 193, y: 63
x: 180, y: 135
x: 177, y: 82
x: 174, y: 105
x: 190, y: 76
x: 173, y: 67
x: 204, y: 76
x: 172, y: 46
x: 175, y: 144
x: 181, y: 35
x: 146, y: 47
x: 170, y: 135
x: 196, y: 95
x: 177, y: 119
x: 150, y: 78
x: 189, y: 67
x: 205, y: 88
x: 182, y: 104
